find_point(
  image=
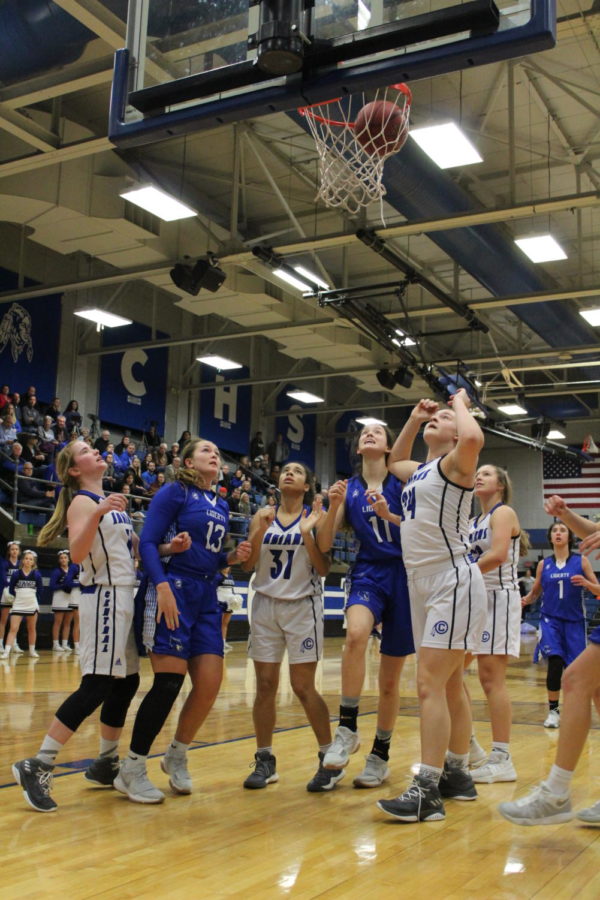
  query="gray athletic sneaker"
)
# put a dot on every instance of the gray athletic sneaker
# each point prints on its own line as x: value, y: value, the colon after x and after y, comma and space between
x: 35, y: 777
x: 345, y: 742
x: 175, y: 766
x: 591, y: 815
x: 324, y: 779
x: 133, y: 781
x: 420, y: 802
x: 102, y: 771
x: 374, y: 773
x: 539, y: 807
x: 264, y: 771
x: 457, y: 784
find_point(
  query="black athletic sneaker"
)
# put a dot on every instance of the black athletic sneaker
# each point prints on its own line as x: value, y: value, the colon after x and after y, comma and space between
x: 102, y: 771
x: 457, y: 784
x: 324, y: 779
x: 264, y: 771
x: 420, y: 802
x: 35, y: 777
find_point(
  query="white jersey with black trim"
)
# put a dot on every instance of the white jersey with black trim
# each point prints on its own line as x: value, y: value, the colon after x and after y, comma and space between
x: 435, y: 519
x: 110, y: 560
x: 284, y: 570
x: 504, y: 576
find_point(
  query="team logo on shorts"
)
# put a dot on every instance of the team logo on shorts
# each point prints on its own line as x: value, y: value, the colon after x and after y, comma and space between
x: 307, y: 644
x: 177, y: 583
x: 440, y: 627
x: 485, y: 637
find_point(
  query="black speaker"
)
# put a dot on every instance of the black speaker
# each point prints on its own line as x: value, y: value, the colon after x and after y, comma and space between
x: 204, y: 274
x: 386, y: 379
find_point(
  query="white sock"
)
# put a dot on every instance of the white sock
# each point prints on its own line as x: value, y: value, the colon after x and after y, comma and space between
x: 48, y: 751
x: 177, y: 748
x: 431, y: 773
x: 137, y: 759
x: 323, y: 748
x: 559, y: 781
x: 265, y: 750
x: 501, y: 749
x: 108, y: 748
x: 32, y: 647
x: 457, y: 760
x: 65, y: 645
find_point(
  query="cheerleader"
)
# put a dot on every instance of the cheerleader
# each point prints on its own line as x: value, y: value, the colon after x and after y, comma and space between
x: 287, y: 613
x: 10, y: 565
x: 60, y: 586
x: 229, y: 602
x: 26, y: 590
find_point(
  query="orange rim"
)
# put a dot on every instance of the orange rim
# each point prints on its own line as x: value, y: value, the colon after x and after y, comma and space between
x: 308, y: 110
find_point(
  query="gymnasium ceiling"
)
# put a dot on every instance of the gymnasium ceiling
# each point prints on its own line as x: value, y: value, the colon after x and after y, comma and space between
x: 536, y: 123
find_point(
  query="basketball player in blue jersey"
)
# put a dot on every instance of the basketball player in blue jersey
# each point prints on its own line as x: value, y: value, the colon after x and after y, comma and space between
x: 496, y: 542
x: 186, y: 635
x: 287, y: 612
x: 549, y: 803
x: 562, y: 615
x: 376, y: 592
x: 9, y: 565
x: 101, y: 540
x: 447, y: 597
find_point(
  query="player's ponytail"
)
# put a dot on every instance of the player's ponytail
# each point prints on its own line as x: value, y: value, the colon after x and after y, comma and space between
x: 58, y: 522
x: 524, y: 542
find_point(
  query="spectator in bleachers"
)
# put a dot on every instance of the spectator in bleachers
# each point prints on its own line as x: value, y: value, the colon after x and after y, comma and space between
x: 73, y: 419
x: 236, y: 479
x: 257, y: 445
x: 30, y: 493
x: 110, y: 478
x: 233, y: 500
x: 184, y: 439
x: 279, y: 450
x: 60, y: 432
x: 53, y: 409
x: 157, y: 484
x: 122, y: 445
x: 147, y: 460
x: 245, y: 464
x: 136, y: 468
x: 151, y: 438
x: 225, y: 478
x: 160, y: 458
x: 8, y: 433
x: 271, y: 501
x: 31, y: 450
x: 48, y: 442
x: 246, y: 509
x: 173, y: 452
x: 4, y: 396
x: 30, y: 417
x: 128, y: 455
x: 13, y: 462
x: 149, y: 476
x: 257, y: 471
x: 274, y: 474
x: 103, y: 441
x: 172, y: 469
x: 14, y: 407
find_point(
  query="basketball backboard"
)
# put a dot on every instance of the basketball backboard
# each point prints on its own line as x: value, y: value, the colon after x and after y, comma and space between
x: 190, y: 66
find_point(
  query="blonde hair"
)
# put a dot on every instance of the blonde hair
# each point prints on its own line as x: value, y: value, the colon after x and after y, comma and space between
x: 187, y: 474
x: 58, y: 522
x: 506, y: 493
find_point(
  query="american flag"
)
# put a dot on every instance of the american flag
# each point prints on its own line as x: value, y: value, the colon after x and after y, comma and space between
x: 576, y: 481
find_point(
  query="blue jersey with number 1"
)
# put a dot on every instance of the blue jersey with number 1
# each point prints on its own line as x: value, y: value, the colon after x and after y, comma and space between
x: 379, y: 539
x: 203, y: 514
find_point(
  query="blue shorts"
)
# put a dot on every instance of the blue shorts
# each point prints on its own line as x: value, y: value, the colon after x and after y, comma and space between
x: 199, y: 629
x: 381, y: 587
x: 562, y: 637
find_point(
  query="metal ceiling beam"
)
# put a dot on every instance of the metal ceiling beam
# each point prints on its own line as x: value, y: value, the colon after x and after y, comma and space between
x: 55, y: 157
x: 77, y: 77
x: 25, y: 129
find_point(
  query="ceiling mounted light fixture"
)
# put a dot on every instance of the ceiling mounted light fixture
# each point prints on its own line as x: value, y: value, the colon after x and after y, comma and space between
x: 543, y: 248
x: 369, y: 420
x: 591, y: 315
x: 219, y: 362
x: 159, y: 203
x: 305, y: 397
x: 446, y: 145
x: 102, y: 318
x: 555, y: 435
x: 512, y: 409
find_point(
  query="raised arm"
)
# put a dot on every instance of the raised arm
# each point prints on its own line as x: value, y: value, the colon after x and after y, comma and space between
x: 460, y: 464
x: 335, y: 515
x: 258, y: 526
x: 400, y: 463
x: 321, y: 562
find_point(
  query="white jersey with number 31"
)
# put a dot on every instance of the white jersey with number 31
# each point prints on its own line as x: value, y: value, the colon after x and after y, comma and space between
x: 284, y: 570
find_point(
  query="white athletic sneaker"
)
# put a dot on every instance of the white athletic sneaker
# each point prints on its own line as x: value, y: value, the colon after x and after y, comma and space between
x: 227, y: 647
x: 133, y: 781
x: 66, y: 648
x: 374, y: 773
x: 590, y: 815
x: 552, y: 719
x: 497, y: 768
x: 477, y: 755
x: 345, y: 742
x: 539, y: 807
x: 57, y: 648
x: 33, y: 652
x: 17, y: 649
x: 76, y: 650
x: 175, y: 767
x: 5, y: 653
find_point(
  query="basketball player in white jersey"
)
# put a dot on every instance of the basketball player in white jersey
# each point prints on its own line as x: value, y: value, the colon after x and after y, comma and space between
x: 447, y: 597
x: 101, y: 541
x: 287, y: 612
x: 496, y: 542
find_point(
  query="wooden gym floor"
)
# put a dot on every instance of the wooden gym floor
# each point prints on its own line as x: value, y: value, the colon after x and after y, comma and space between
x: 224, y: 841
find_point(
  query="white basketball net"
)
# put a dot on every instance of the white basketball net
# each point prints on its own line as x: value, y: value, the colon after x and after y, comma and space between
x: 350, y: 174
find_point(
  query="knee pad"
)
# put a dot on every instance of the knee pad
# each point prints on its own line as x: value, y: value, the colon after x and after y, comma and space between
x: 92, y: 691
x: 114, y: 708
x: 154, y: 709
x: 556, y: 666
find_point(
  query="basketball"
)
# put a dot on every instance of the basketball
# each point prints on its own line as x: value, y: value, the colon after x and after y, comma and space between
x: 381, y: 128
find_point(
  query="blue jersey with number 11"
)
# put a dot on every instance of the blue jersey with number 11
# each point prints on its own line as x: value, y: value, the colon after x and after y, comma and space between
x: 379, y: 539
x: 185, y: 508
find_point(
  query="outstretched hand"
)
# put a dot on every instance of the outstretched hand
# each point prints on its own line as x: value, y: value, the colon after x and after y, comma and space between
x: 308, y: 521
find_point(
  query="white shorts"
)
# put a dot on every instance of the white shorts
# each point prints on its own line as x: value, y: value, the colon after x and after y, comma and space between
x: 25, y: 602
x: 107, y: 643
x: 60, y: 602
x: 229, y: 600
x: 7, y: 599
x: 75, y: 598
x: 501, y: 635
x: 447, y: 606
x: 277, y: 624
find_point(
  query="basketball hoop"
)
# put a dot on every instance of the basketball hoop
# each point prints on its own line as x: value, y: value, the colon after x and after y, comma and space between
x: 352, y: 153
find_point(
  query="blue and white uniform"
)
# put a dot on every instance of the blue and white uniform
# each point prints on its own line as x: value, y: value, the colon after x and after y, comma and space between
x: 228, y: 598
x: 107, y: 579
x: 501, y: 633
x: 287, y: 608
x: 61, y: 585
x: 191, y: 575
x: 562, y: 619
x: 26, y: 591
x: 447, y: 593
x: 377, y: 579
x: 8, y: 572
